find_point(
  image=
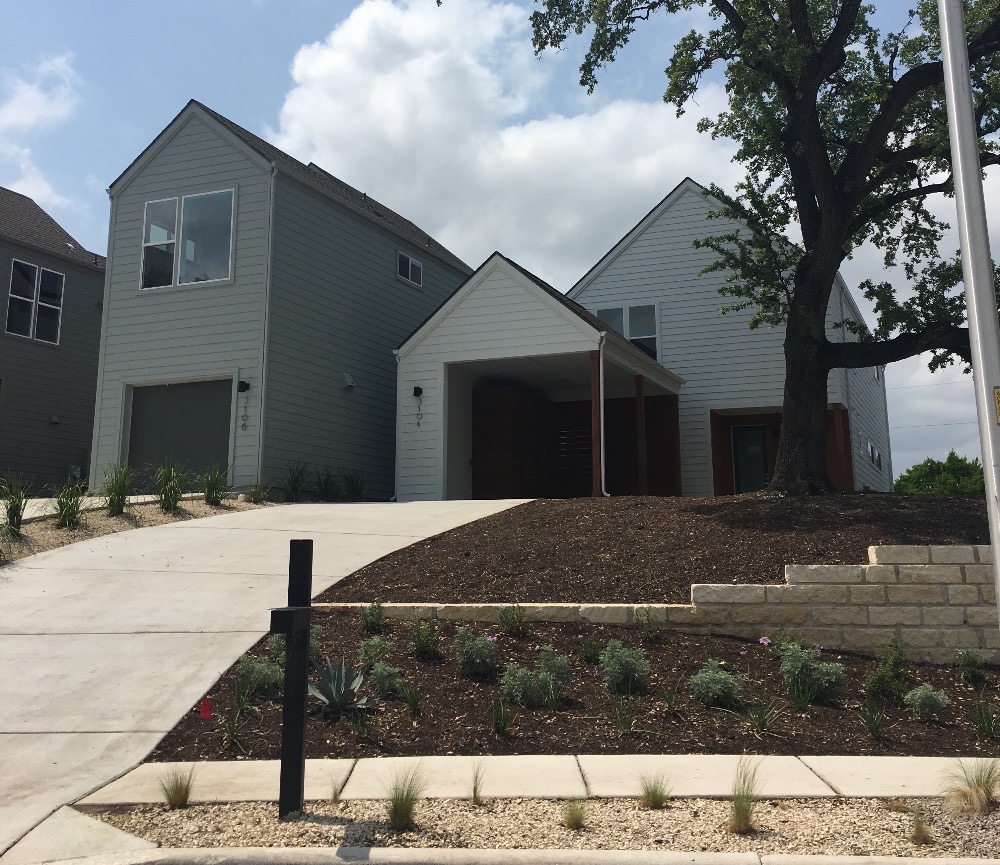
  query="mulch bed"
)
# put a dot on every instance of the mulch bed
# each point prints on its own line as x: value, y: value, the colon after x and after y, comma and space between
x: 453, y: 719
x: 650, y: 550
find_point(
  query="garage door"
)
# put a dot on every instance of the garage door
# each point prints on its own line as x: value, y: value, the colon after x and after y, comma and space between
x: 187, y: 424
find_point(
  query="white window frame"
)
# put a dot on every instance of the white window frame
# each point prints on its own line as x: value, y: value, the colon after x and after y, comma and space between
x: 179, y: 237
x: 401, y: 254
x: 35, y: 302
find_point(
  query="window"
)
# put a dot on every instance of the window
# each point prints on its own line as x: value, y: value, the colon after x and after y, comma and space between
x: 636, y: 323
x: 34, y: 307
x: 878, y: 373
x: 204, y: 250
x: 874, y: 456
x: 410, y: 269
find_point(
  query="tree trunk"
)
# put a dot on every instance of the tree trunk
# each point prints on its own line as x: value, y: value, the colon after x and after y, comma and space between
x: 801, y: 462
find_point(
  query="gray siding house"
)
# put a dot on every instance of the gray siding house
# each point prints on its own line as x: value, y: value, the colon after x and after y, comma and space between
x: 252, y: 303
x: 649, y: 286
x: 48, y: 347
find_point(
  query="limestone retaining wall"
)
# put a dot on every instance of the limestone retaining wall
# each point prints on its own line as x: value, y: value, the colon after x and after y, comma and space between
x: 933, y: 601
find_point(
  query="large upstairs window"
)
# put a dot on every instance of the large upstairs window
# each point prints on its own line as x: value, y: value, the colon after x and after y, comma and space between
x: 199, y: 250
x: 34, y: 306
x: 635, y: 323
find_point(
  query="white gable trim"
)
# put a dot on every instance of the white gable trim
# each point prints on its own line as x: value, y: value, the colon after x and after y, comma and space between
x: 494, y: 263
x: 686, y: 185
x: 191, y: 110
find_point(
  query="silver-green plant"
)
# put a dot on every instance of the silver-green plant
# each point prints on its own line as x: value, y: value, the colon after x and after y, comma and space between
x: 214, y: 481
x: 371, y: 617
x: 405, y: 790
x: 714, y: 687
x: 373, y: 650
x: 116, y: 487
x: 68, y: 505
x: 972, y: 787
x: 474, y: 655
x: 746, y: 792
x: 925, y: 702
x: 176, y: 787
x: 15, y: 490
x: 510, y: 621
x: 626, y: 671
x: 386, y: 680
x: 338, y: 689
x: 654, y: 791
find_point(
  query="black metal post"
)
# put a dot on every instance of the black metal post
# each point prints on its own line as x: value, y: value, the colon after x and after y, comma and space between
x: 293, y: 621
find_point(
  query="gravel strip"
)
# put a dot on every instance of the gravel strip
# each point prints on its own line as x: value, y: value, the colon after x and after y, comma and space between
x: 853, y: 827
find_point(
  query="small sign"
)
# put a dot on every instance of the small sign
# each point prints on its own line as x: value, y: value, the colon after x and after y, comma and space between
x: 205, y: 710
x: 996, y: 402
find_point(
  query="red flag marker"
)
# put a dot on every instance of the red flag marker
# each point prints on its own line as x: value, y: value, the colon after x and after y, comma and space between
x: 206, y: 708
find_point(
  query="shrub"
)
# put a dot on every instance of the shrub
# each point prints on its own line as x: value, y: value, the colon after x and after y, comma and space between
x: 886, y: 678
x: 169, y: 481
x: 522, y: 687
x: 352, y: 484
x: 405, y: 791
x: 14, y: 491
x: 276, y: 645
x: 214, y: 481
x: 176, y: 787
x: 475, y: 655
x: 551, y: 663
x: 116, y: 488
x: 713, y: 686
x: 626, y: 671
x: 809, y: 680
x: 327, y: 489
x: 371, y: 617
x: 646, y: 623
x: 925, y: 703
x: 511, y: 621
x: 259, y: 676
x: 425, y: 641
x: 295, y: 480
x: 543, y: 686
x: 970, y: 665
x: 257, y: 493
x: 373, y: 650
x: 69, y: 505
x: 386, y: 680
x: 590, y: 653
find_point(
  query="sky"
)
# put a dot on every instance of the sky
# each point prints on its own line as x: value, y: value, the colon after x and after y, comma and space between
x: 442, y: 113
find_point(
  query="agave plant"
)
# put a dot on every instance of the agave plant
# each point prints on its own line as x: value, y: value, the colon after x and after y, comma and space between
x: 338, y: 689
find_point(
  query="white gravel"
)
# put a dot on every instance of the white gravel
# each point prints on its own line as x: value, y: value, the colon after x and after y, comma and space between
x: 824, y: 826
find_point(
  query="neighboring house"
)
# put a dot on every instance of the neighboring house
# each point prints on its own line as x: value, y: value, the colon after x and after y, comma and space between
x: 251, y: 307
x: 510, y: 389
x: 49, y: 345
x: 650, y: 287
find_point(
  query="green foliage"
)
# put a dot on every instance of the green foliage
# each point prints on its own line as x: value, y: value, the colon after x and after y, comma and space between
x: 654, y: 791
x: 15, y: 490
x: 260, y: 677
x: 352, y: 484
x: 499, y: 716
x: 624, y: 713
x: 647, y: 624
x: 590, y: 653
x: 371, y: 617
x: 294, y: 485
x: 385, y: 679
x: 413, y: 697
x: 973, y: 788
x: 231, y: 726
x: 366, y: 726
x: 522, y: 687
x: 558, y: 667
x: 886, y: 679
x: 970, y: 665
x: 626, y: 671
x: 69, y: 504
x: 714, y: 687
x: 874, y: 718
x: 405, y: 791
x: 543, y: 686
x: 956, y: 476
x: 327, y: 488
x: 746, y: 792
x: 808, y: 679
x: 425, y: 641
x: 575, y: 815
x: 176, y: 787
x: 257, y: 493
x: 475, y: 656
x: 276, y: 645
x: 116, y: 488
x: 925, y: 702
x: 511, y: 621
x: 478, y: 774
x: 984, y: 720
x: 763, y: 716
x: 373, y: 650
x: 169, y: 481
x: 214, y: 482
x: 339, y: 688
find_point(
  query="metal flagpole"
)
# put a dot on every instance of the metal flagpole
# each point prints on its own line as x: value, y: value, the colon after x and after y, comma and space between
x: 977, y: 263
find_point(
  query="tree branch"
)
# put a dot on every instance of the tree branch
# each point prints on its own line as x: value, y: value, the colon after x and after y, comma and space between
x: 856, y: 355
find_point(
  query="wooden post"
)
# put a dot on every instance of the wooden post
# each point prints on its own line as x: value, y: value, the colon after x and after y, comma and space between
x: 293, y: 622
x: 640, y: 435
x: 595, y: 424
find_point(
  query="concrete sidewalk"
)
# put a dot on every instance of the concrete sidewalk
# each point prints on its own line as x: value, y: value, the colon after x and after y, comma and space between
x: 36, y: 509
x: 69, y: 833
x: 106, y: 643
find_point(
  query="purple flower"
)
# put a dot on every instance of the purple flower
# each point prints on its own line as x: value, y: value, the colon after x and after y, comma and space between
x: 764, y: 641
x: 817, y: 647
x: 492, y: 638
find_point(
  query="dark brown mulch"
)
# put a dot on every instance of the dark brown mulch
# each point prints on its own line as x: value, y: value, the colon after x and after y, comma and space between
x: 453, y: 719
x: 649, y: 550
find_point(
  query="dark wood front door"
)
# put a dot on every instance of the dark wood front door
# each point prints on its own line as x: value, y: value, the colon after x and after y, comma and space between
x: 750, y: 458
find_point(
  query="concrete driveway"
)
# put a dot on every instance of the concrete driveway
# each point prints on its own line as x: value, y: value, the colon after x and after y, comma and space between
x: 105, y: 644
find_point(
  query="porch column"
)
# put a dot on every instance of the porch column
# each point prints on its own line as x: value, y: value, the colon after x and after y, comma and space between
x: 595, y: 424
x: 640, y: 435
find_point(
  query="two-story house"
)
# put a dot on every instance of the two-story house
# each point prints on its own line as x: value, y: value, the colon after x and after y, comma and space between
x: 48, y: 347
x: 251, y: 306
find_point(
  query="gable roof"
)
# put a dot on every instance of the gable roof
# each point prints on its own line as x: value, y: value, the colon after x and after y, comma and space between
x: 323, y: 182
x: 23, y: 221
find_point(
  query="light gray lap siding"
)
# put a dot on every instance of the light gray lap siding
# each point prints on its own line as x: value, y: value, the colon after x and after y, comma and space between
x: 190, y: 332
x: 39, y: 381
x: 337, y: 306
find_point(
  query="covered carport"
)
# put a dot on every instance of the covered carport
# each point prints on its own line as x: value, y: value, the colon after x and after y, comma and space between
x: 510, y: 391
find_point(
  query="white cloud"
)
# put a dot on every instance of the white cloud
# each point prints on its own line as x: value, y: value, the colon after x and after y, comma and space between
x: 43, y: 97
x: 429, y: 110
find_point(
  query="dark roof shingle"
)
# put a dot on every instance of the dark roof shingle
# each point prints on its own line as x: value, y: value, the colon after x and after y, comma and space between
x: 23, y: 221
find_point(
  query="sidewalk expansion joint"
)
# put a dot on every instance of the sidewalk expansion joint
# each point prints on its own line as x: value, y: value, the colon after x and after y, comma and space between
x: 820, y: 777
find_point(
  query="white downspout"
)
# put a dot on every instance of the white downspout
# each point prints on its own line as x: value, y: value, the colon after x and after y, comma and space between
x: 600, y: 350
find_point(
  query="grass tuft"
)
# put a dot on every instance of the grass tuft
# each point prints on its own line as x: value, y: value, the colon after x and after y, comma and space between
x: 14, y: 493
x: 337, y: 786
x: 984, y: 720
x: 213, y: 482
x: 746, y: 788
x: 499, y: 716
x: 874, y: 718
x: 478, y: 774
x: 116, y: 488
x: 920, y: 834
x: 575, y: 815
x: 405, y: 791
x: 413, y: 697
x: 654, y: 791
x: 973, y: 787
x: 69, y: 505
x: 176, y: 787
